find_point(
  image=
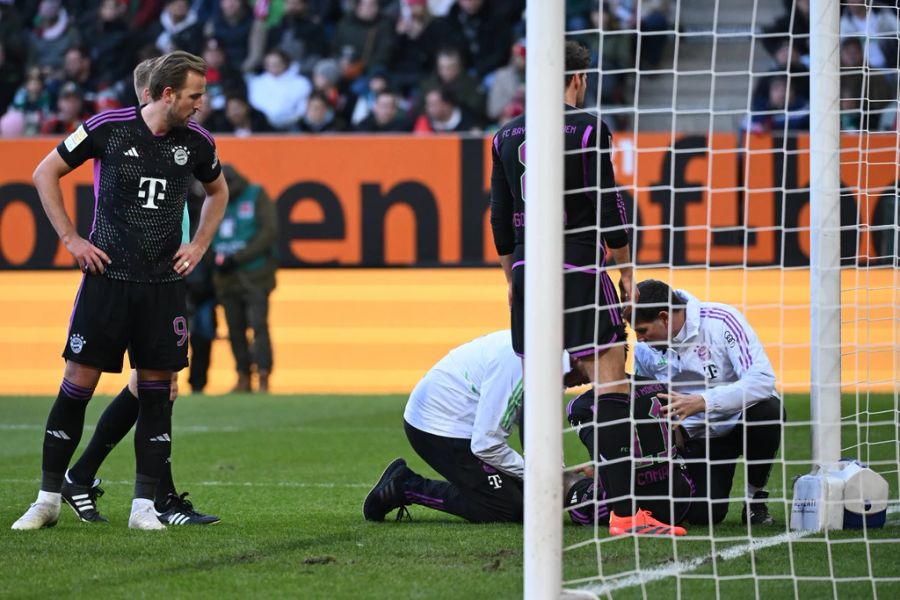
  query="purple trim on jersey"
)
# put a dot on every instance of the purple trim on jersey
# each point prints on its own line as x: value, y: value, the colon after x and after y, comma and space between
x: 732, y: 323
x: 579, y: 354
x: 569, y: 406
x: 596, y: 349
x: 75, y: 304
x: 97, y: 163
x: 621, y: 204
x: 614, y: 397
x: 127, y: 114
x: 416, y: 498
x: 586, y: 269
x: 497, y: 145
x: 584, y: 160
x: 199, y: 129
x: 609, y: 290
x: 97, y: 119
x: 612, y: 299
x: 579, y: 517
x: 76, y: 391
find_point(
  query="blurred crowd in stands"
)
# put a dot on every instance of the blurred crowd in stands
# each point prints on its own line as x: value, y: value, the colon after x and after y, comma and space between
x: 421, y: 66
x: 868, y: 62
x: 292, y: 65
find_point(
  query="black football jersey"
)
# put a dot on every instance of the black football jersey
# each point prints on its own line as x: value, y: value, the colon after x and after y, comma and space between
x: 141, y: 183
x: 588, y: 170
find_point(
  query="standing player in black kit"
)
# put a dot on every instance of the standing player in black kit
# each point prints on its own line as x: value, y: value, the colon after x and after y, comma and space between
x: 133, y: 292
x: 594, y: 331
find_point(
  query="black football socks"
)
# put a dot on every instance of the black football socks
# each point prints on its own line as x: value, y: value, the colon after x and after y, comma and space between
x: 152, y: 436
x: 116, y: 421
x: 62, y: 433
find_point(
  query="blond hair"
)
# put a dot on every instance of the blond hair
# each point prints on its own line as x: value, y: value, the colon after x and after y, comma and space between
x: 141, y: 76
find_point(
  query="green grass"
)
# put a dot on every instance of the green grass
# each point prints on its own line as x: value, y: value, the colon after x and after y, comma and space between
x: 288, y: 475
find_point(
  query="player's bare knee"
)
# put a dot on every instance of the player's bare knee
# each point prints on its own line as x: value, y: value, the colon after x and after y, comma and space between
x: 153, y: 375
x: 133, y: 383
x: 81, y: 375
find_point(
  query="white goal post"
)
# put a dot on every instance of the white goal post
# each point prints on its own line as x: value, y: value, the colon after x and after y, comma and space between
x: 825, y: 229
x: 543, y: 293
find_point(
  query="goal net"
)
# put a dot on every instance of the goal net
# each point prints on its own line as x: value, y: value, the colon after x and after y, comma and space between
x: 756, y: 148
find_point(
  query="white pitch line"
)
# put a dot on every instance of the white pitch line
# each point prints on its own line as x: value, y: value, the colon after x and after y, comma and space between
x: 280, y: 484
x: 679, y: 568
x: 224, y: 429
x: 184, y: 429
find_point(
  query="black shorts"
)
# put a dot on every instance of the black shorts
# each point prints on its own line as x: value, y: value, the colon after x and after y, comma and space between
x: 482, y: 494
x: 146, y: 318
x: 592, y: 321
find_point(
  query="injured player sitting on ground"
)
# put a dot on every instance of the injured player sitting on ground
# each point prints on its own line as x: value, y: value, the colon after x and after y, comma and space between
x: 638, y: 472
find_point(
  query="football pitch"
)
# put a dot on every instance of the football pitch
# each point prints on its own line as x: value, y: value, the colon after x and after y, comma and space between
x: 288, y: 474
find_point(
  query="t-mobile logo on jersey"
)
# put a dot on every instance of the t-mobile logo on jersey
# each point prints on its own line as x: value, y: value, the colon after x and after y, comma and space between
x: 151, y: 193
x: 495, y: 481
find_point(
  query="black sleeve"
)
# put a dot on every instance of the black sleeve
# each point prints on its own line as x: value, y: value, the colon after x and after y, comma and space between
x: 81, y: 146
x: 208, y: 167
x: 501, y: 205
x: 614, y: 225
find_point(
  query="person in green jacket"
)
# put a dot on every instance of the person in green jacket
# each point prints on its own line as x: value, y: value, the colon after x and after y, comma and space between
x: 244, y: 277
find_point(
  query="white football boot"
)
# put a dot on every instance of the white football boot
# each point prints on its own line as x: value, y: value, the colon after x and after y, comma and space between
x: 39, y: 515
x: 143, y: 516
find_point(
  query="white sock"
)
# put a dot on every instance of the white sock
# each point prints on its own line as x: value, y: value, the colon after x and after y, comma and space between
x: 751, y: 491
x: 141, y: 504
x: 48, y: 497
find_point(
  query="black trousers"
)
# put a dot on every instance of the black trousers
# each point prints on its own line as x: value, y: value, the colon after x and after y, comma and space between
x: 760, y: 432
x: 250, y: 309
x: 474, y: 490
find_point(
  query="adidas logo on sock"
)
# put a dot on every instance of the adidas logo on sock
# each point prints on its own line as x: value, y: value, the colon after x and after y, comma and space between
x: 59, y: 434
x: 161, y: 438
x: 131, y: 152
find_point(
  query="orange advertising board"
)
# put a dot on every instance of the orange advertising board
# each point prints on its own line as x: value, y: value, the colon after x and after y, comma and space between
x: 424, y: 201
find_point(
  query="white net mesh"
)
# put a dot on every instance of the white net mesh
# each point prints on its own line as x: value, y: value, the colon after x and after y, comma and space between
x: 708, y: 101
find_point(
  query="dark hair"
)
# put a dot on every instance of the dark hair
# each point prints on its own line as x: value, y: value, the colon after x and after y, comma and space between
x: 655, y: 296
x: 578, y: 58
x: 81, y: 49
x: 281, y: 54
x: 851, y: 41
x: 171, y: 71
x: 388, y: 91
x: 450, y: 52
x: 446, y: 94
x: 319, y: 95
x: 236, y: 96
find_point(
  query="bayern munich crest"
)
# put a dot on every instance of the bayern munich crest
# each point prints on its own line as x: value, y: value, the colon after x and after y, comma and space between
x: 181, y: 156
x: 76, y: 343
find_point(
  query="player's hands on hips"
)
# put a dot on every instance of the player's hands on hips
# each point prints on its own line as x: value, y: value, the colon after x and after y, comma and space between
x: 89, y: 257
x: 682, y: 406
x: 186, y: 259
